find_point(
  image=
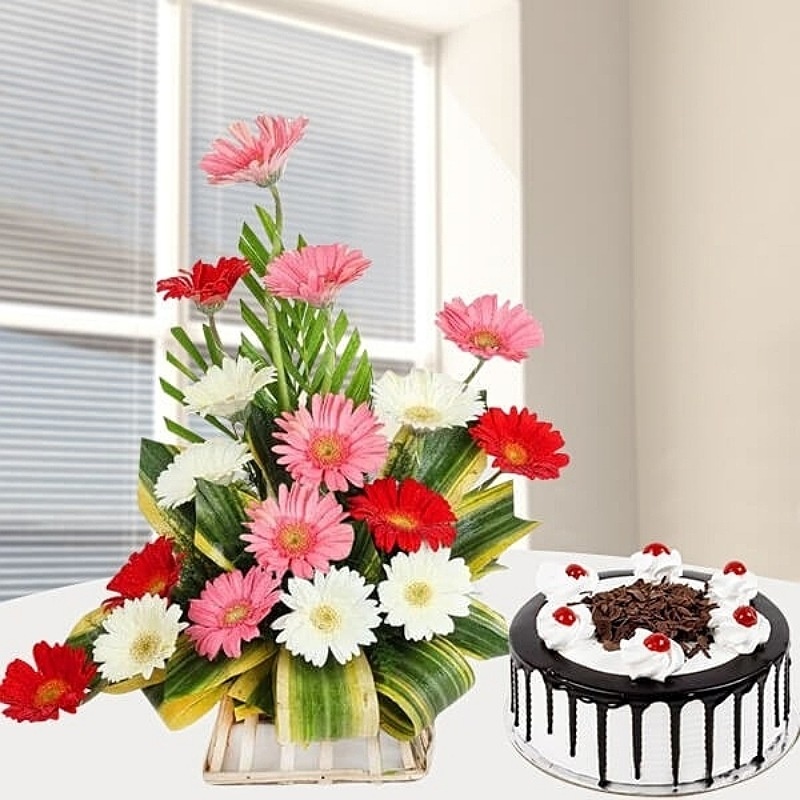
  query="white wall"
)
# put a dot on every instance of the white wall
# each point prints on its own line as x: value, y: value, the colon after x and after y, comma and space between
x: 716, y: 247
x: 576, y: 250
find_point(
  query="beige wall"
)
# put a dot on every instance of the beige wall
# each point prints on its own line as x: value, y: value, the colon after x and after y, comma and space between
x: 715, y: 90
x: 576, y: 253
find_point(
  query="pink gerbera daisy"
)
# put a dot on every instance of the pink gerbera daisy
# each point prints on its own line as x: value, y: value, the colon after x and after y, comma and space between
x: 261, y: 158
x: 486, y: 330
x: 300, y: 532
x: 229, y: 610
x: 315, y: 273
x: 334, y: 444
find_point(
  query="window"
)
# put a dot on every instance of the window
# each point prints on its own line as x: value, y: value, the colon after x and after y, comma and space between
x: 91, y: 210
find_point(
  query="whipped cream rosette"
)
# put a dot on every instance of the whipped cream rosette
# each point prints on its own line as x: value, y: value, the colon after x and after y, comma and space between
x: 561, y: 626
x: 648, y: 654
x: 655, y: 562
x: 734, y: 584
x: 739, y: 628
x: 565, y: 582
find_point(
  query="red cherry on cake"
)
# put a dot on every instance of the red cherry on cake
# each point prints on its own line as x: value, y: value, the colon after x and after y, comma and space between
x: 746, y: 615
x: 657, y: 642
x: 656, y: 549
x: 565, y: 615
x: 736, y: 567
x: 576, y: 571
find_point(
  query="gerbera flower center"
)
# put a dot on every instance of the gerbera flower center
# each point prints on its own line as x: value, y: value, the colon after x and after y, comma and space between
x: 328, y: 449
x: 144, y: 647
x: 325, y: 618
x: 157, y: 585
x: 486, y: 339
x: 402, y: 519
x: 236, y: 613
x: 515, y: 453
x: 49, y: 692
x: 418, y: 593
x: 422, y: 415
x: 294, y: 537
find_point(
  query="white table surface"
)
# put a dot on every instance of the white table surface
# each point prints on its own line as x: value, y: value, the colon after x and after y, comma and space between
x: 117, y: 747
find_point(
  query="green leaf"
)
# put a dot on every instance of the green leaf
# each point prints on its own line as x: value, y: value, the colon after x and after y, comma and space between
x: 259, y: 427
x: 185, y: 341
x: 364, y: 557
x: 193, y: 685
x: 220, y: 514
x: 482, y: 634
x: 174, y: 523
x: 487, y: 526
x: 450, y: 462
x: 416, y: 681
x: 184, y: 433
x: 254, y: 251
x: 254, y: 688
x: 270, y: 227
x: 335, y: 701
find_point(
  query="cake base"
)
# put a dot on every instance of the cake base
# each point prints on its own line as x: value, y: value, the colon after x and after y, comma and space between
x: 771, y: 756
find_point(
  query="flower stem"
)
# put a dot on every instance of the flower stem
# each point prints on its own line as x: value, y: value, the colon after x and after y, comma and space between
x: 276, y: 196
x: 276, y: 353
x: 214, y: 341
x: 476, y: 369
x: 489, y: 481
x: 330, y: 353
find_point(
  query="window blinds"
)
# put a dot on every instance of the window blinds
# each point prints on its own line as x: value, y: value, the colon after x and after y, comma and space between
x: 77, y: 200
x: 76, y: 232
x: 349, y: 180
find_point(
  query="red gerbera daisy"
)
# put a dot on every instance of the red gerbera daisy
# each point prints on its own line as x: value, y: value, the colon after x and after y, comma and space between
x: 155, y: 569
x: 520, y: 443
x: 404, y: 515
x: 208, y: 285
x: 58, y: 683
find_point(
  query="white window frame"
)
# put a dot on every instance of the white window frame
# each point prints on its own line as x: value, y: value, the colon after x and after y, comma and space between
x: 173, y: 190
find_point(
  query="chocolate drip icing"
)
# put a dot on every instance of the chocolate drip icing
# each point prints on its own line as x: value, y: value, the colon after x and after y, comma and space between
x: 514, y: 694
x: 737, y: 730
x: 528, y: 714
x: 636, y: 738
x: 675, y: 738
x: 777, y: 693
x: 786, y: 696
x: 736, y: 678
x: 573, y: 723
x: 709, y: 708
x: 602, y: 743
x: 760, y: 747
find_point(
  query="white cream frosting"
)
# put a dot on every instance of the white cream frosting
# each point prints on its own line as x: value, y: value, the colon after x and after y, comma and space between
x: 558, y: 636
x: 729, y: 588
x: 653, y: 568
x: 554, y: 581
x: 733, y: 635
x: 642, y: 662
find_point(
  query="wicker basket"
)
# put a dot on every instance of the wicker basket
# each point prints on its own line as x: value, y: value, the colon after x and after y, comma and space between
x: 247, y: 751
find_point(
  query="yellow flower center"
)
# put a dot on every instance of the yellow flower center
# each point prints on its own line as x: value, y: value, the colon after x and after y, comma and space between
x: 49, y: 692
x: 488, y: 340
x: 157, y: 585
x: 515, y: 453
x: 328, y: 450
x: 422, y: 415
x: 144, y: 647
x: 418, y: 593
x: 294, y: 537
x: 399, y: 519
x: 236, y: 613
x: 325, y: 618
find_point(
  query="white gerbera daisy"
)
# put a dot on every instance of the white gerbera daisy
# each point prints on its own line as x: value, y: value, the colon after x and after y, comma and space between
x: 217, y: 460
x: 140, y: 636
x: 424, y: 400
x: 226, y: 390
x: 423, y: 591
x: 332, y: 613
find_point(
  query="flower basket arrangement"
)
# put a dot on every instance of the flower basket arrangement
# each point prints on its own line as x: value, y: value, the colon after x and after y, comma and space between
x: 313, y: 560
